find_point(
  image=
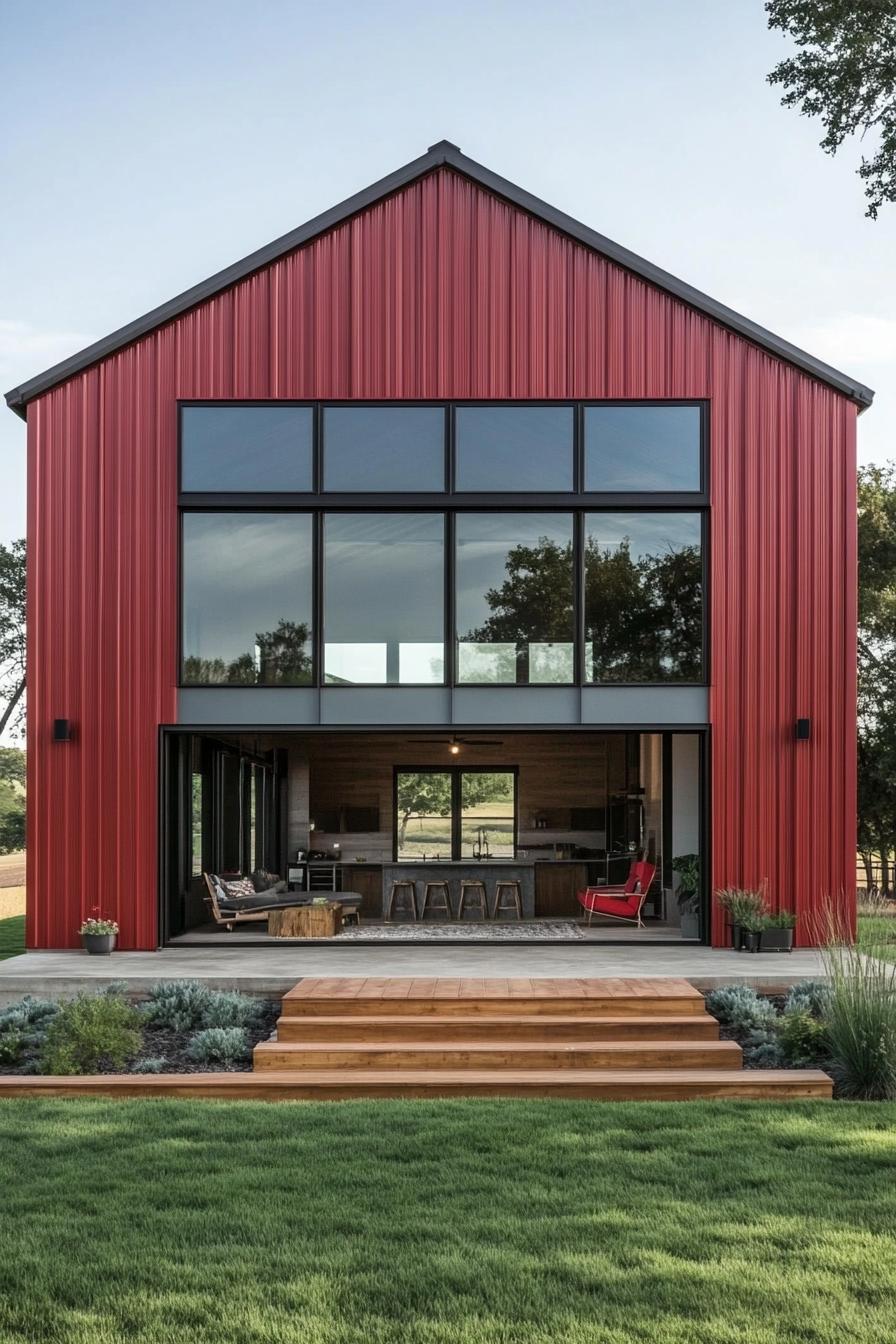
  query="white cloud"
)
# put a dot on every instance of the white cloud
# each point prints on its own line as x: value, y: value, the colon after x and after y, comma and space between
x: 26, y: 350
x: 851, y: 340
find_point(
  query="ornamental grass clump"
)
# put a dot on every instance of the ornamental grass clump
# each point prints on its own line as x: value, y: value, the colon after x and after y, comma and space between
x: 860, y: 1022
x: 742, y: 905
x: 91, y: 1034
x: 220, y: 1045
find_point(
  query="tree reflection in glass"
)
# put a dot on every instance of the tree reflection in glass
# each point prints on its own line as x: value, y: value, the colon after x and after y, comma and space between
x: 643, y: 597
x: 247, y: 598
x: 515, y: 598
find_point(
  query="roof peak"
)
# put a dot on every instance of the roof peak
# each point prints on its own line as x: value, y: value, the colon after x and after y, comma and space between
x: 442, y: 153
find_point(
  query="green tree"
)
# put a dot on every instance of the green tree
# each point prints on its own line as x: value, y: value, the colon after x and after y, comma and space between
x: 845, y: 73
x: 428, y: 793
x: 877, y: 667
x: 12, y: 765
x: 12, y: 635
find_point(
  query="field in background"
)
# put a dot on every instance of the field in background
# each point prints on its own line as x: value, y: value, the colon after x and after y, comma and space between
x: 12, y: 885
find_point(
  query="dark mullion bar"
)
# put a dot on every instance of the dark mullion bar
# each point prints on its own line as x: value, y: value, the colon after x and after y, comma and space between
x: 385, y: 501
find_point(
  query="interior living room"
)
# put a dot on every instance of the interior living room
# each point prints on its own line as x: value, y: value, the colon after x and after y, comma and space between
x: 434, y: 835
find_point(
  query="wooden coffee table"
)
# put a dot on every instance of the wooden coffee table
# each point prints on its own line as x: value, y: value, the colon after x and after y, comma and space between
x: 306, y: 921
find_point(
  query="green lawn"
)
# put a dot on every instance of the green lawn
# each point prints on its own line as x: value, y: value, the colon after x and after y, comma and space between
x: 447, y: 1223
x: 12, y: 936
x: 878, y: 932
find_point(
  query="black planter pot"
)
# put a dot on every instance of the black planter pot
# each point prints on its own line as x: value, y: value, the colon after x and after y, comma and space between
x: 736, y: 935
x: 98, y: 944
x: 749, y: 941
x: 776, y: 940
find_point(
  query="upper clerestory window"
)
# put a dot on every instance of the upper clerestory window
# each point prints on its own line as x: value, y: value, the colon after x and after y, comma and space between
x: 384, y: 448
x: 228, y: 449
x: 642, y: 448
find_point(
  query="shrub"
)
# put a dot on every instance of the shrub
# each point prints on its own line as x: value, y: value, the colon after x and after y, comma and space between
x: 23, y: 1030
x: 808, y: 996
x: 762, y: 1049
x: 220, y: 1045
x: 177, y: 1004
x: 149, y: 1065
x: 740, y: 1008
x: 12, y: 1047
x: 90, y: 1032
x: 802, y: 1037
x: 226, y: 1009
x: 861, y: 1023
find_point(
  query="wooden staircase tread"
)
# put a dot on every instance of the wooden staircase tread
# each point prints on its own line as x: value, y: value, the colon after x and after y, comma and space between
x: 451, y: 988
x: 647, y: 1084
x: 546, y: 1020
x: 503, y: 1047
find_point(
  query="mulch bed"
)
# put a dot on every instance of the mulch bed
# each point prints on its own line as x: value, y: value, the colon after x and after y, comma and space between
x: 163, y: 1043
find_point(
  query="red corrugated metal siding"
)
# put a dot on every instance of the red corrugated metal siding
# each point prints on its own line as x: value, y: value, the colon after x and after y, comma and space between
x: 440, y: 291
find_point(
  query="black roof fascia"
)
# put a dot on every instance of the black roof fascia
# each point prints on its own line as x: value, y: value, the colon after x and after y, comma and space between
x: 444, y: 153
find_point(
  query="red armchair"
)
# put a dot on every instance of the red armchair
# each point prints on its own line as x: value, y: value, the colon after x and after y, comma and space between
x: 625, y: 902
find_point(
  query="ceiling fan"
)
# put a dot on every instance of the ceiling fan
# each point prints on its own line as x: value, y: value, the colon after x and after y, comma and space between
x: 457, y: 741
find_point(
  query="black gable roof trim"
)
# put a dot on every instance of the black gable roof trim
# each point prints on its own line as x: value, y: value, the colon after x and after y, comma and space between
x: 438, y: 155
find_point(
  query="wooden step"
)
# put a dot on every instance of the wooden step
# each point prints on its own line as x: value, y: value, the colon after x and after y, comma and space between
x: 445, y: 997
x: 494, y: 1055
x: 507, y: 1027
x: 344, y: 1084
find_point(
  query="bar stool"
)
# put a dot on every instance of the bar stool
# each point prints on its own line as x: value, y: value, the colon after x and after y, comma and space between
x: 402, y: 887
x: 437, y: 899
x: 472, y: 889
x: 508, y: 898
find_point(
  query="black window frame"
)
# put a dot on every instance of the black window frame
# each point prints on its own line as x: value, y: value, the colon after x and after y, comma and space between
x: 455, y: 770
x: 449, y: 503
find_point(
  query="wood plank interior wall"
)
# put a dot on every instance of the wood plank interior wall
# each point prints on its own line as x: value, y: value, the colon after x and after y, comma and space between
x: 557, y: 773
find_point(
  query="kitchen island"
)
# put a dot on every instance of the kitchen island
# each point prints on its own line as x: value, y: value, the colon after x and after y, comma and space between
x: 452, y: 871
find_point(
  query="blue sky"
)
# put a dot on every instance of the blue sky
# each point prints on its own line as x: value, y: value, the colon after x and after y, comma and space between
x: 147, y: 145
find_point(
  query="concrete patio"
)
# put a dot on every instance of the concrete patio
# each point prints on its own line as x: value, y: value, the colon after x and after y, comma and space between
x: 272, y: 971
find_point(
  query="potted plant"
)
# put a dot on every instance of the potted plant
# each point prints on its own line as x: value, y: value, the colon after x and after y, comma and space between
x: 98, y: 934
x: 777, y: 936
x: 687, y: 869
x: 741, y: 906
x: 751, y: 929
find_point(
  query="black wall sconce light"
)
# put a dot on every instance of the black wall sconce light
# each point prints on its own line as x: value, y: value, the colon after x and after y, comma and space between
x: 62, y: 730
x: 803, y: 727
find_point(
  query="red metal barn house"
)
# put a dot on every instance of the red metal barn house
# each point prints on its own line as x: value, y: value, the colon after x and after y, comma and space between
x: 440, y: 531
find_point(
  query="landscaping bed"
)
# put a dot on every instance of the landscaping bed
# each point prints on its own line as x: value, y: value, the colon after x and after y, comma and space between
x: 182, y: 1027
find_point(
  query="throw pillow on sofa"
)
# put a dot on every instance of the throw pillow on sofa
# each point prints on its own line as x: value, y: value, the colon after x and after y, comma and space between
x: 262, y: 880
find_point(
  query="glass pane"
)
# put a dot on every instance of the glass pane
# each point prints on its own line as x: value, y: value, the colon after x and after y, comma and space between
x: 384, y: 448
x: 642, y: 447
x: 384, y: 598
x: 643, y: 597
x: 515, y: 598
x: 246, y: 448
x: 487, y: 813
x: 196, y: 824
x: 514, y: 448
x: 423, y: 814
x: 247, y: 599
